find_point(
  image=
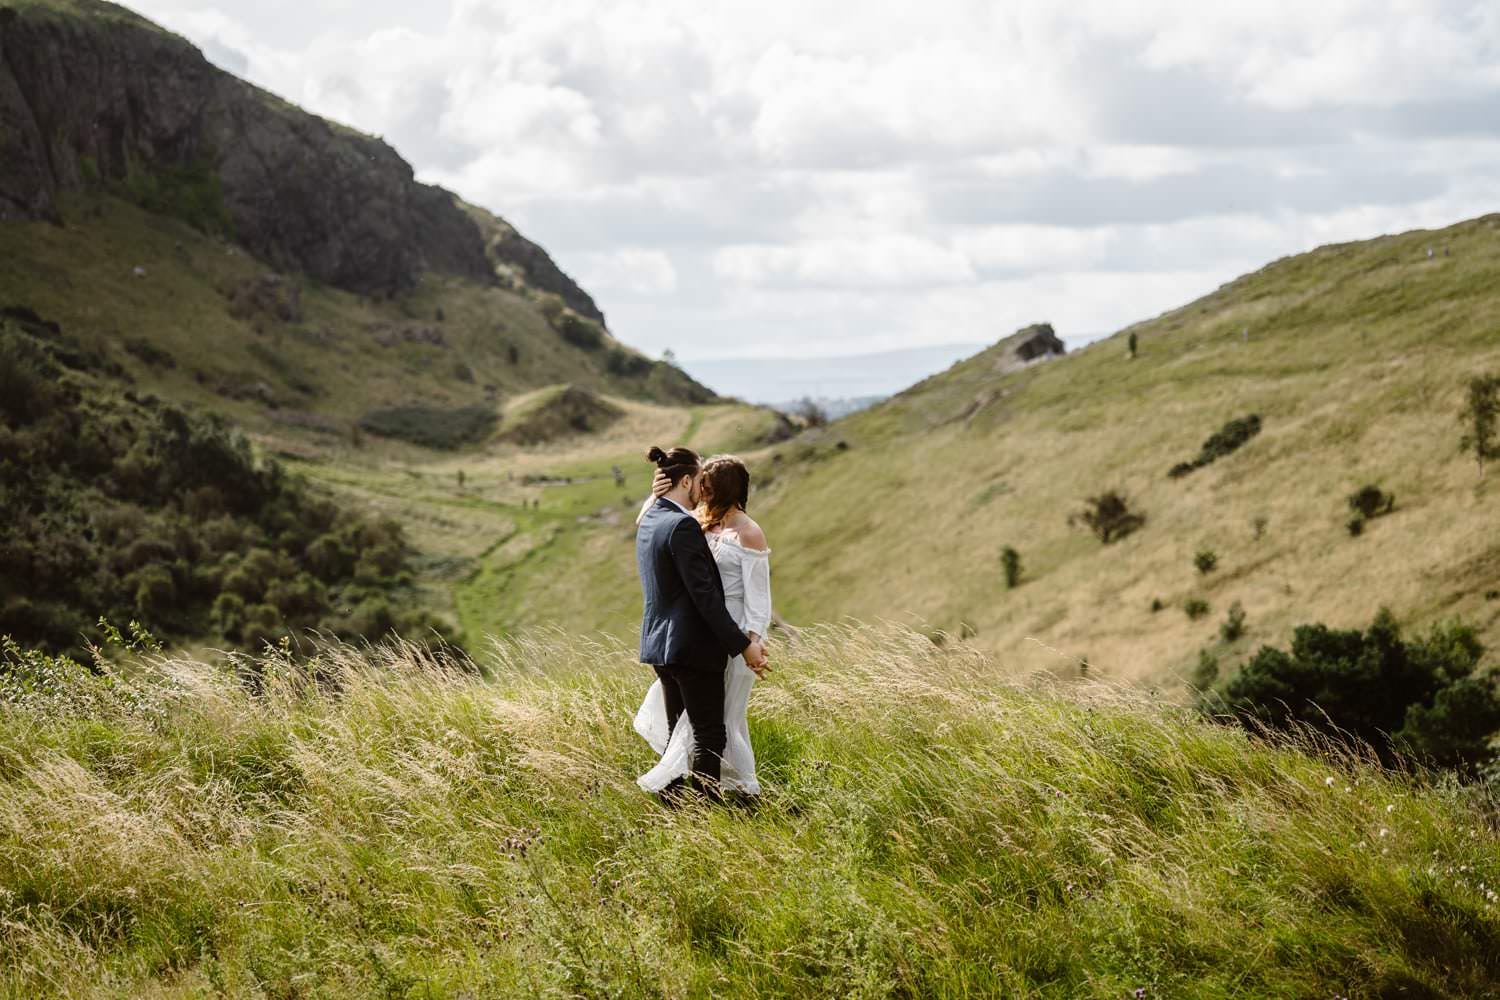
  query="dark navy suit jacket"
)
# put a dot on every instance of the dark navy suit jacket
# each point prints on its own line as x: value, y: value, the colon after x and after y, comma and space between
x: 685, y: 622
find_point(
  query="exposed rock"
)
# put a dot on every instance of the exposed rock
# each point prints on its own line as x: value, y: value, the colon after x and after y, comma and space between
x: 518, y: 260
x: 93, y: 94
x: 1027, y: 346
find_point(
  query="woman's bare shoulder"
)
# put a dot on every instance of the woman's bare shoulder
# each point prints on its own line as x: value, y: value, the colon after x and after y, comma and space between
x: 750, y: 534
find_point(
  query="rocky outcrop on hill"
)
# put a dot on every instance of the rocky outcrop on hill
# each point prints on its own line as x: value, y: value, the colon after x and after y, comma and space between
x: 91, y: 94
x: 516, y: 258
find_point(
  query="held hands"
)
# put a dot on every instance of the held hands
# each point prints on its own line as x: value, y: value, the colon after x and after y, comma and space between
x: 756, y: 657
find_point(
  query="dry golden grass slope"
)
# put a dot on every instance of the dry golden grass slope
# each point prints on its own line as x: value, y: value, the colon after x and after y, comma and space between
x: 1355, y: 357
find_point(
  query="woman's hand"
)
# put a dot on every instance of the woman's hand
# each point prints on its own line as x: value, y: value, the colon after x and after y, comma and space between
x: 661, y: 485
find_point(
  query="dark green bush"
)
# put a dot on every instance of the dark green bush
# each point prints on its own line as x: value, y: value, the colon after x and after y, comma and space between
x: 432, y: 426
x: 1233, y: 626
x: 1206, y: 561
x: 1196, y: 607
x: 1010, y: 560
x: 1425, y: 696
x: 579, y: 332
x: 1109, y: 517
x: 118, y: 504
x: 1224, y: 441
x: 1371, y: 502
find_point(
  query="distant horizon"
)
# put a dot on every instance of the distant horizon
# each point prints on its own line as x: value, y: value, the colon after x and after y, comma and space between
x: 775, y: 381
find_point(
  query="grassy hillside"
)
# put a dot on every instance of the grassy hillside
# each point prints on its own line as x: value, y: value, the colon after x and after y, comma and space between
x: 205, y: 322
x: 928, y: 831
x: 1355, y: 357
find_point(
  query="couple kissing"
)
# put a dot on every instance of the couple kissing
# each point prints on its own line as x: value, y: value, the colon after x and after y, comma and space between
x: 706, y: 577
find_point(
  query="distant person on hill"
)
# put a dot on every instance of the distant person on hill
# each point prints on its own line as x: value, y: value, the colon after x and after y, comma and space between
x: 705, y: 572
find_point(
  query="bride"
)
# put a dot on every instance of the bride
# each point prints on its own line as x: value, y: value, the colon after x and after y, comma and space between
x: 739, y: 548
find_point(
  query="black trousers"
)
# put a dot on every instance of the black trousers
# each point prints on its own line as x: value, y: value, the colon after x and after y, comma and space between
x: 699, y: 693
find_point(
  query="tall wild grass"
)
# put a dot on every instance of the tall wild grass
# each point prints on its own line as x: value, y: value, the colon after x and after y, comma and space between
x: 388, y: 822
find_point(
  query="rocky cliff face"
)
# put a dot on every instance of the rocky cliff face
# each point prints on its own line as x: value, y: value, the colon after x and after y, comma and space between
x: 93, y: 94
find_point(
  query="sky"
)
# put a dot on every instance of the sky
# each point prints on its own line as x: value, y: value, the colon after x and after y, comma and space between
x: 787, y: 179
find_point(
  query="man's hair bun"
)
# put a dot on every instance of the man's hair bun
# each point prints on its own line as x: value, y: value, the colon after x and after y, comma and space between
x: 656, y: 455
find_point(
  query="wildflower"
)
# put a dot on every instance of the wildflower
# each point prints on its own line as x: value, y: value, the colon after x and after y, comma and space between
x: 1347, y: 788
x: 1328, y: 781
x: 1390, y: 808
x: 1140, y: 991
x: 1384, y: 831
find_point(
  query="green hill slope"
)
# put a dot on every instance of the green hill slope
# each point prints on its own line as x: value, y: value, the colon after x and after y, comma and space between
x: 929, y: 831
x: 1355, y: 358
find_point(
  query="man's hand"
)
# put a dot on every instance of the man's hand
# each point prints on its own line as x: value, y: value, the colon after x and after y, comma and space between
x: 661, y: 485
x: 757, y: 659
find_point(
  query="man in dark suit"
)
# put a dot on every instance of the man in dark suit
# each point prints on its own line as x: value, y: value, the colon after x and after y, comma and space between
x: 687, y: 635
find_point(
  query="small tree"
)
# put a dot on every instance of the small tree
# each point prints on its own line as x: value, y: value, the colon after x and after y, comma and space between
x: 1479, y: 418
x: 1195, y: 607
x: 1206, y: 561
x: 1133, y: 343
x: 1233, y: 626
x: 1368, y: 502
x: 1011, y: 560
x: 1109, y: 516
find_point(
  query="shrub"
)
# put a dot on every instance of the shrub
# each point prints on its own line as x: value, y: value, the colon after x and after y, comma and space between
x: 1371, y: 502
x: 1156, y: 605
x: 580, y: 332
x: 1133, y: 344
x: 1424, y: 696
x: 620, y: 361
x: 1480, y: 416
x: 1233, y: 626
x: 1258, y: 525
x: 1355, y: 526
x: 432, y: 426
x: 1196, y: 607
x: 462, y: 372
x: 810, y: 413
x: 228, y: 615
x: 1110, y: 518
x: 1010, y: 559
x: 1206, y: 672
x: 1224, y: 441
x: 1206, y: 561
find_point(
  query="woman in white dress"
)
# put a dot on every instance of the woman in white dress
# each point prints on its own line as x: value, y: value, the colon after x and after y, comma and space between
x: 739, y: 548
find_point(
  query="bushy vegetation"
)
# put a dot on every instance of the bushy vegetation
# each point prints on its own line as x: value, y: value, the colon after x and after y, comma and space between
x: 1480, y: 417
x: 1232, y: 629
x: 191, y: 192
x: 1222, y: 442
x: 121, y: 505
x: 425, y: 833
x: 1196, y: 608
x: 1427, y: 697
x: 432, y: 426
x: 1205, y: 561
x: 1368, y: 503
x: 1010, y: 561
x: 1109, y: 517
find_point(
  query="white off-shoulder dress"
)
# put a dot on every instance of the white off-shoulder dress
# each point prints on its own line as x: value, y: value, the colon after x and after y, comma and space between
x: 746, y: 574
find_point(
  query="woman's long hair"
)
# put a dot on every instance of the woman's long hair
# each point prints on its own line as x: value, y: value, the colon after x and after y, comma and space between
x: 725, y: 488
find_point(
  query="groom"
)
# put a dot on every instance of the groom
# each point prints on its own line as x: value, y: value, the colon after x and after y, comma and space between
x: 686, y: 632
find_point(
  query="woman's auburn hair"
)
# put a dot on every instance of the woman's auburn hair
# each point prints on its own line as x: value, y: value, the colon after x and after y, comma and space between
x: 725, y: 486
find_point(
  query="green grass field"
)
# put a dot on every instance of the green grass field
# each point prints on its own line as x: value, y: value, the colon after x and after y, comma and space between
x: 410, y: 829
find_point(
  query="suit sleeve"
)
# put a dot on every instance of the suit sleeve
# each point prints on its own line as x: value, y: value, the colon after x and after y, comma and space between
x: 696, y: 566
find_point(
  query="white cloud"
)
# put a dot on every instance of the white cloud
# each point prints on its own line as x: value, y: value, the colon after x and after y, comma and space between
x: 812, y: 178
x: 631, y: 270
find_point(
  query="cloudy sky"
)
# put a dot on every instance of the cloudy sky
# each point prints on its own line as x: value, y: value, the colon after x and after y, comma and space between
x: 787, y: 178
